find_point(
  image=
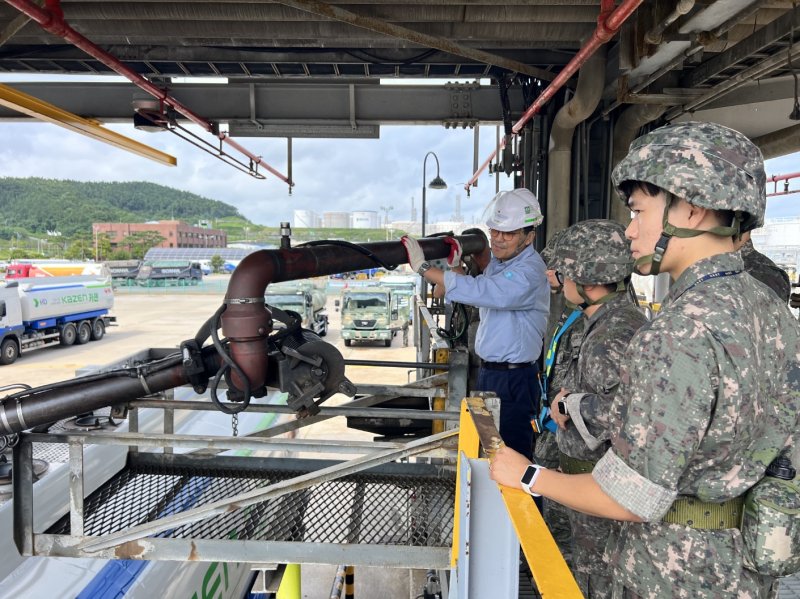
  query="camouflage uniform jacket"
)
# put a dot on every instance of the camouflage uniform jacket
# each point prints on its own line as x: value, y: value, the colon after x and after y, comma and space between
x: 593, y: 376
x: 765, y: 270
x: 709, y: 396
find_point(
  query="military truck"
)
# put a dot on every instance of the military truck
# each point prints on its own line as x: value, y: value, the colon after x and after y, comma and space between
x: 404, y: 288
x: 305, y: 299
x: 160, y: 273
x: 367, y: 315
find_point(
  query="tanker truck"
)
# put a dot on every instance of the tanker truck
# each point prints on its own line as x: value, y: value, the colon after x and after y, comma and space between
x: 37, y: 313
x: 305, y: 299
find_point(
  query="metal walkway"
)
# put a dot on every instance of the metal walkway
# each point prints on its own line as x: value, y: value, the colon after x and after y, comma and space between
x: 388, y: 513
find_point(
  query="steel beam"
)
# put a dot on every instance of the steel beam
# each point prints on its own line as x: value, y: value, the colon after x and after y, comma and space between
x: 298, y: 105
x: 283, y: 552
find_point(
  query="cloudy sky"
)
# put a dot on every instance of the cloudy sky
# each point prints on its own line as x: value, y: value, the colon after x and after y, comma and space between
x: 329, y: 174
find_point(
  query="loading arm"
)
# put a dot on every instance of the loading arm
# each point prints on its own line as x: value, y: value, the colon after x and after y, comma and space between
x: 252, y: 354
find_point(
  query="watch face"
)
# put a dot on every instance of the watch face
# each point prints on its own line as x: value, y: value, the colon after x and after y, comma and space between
x: 562, y: 407
x: 528, y: 476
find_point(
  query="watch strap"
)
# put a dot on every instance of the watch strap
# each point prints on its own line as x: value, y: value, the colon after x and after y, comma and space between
x: 527, y: 486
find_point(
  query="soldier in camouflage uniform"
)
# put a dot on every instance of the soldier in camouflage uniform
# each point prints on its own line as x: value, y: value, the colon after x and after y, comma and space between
x: 594, y: 263
x: 765, y: 270
x: 546, y: 448
x: 710, y: 390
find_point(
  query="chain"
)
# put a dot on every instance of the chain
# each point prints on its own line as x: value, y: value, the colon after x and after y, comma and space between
x: 235, y: 424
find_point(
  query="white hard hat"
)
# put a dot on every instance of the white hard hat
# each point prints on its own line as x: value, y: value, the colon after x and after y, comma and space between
x: 512, y: 210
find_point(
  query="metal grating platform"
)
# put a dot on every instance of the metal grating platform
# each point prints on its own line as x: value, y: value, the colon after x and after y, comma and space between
x: 397, y: 504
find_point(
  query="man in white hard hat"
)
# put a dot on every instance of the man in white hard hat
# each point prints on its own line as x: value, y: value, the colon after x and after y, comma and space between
x: 513, y: 297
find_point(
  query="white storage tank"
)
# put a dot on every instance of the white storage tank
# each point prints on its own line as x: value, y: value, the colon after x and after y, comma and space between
x: 365, y: 219
x: 336, y: 220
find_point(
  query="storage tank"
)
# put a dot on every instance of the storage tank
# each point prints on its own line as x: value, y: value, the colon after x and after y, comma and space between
x: 365, y: 219
x: 305, y: 219
x: 336, y: 220
x: 50, y: 298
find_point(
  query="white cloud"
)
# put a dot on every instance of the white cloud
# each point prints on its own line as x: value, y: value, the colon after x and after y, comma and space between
x: 330, y: 175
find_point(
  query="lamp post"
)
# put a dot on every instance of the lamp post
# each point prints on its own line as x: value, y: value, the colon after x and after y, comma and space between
x: 436, y: 183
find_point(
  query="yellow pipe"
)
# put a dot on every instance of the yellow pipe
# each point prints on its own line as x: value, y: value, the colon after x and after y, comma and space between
x: 290, y: 583
x: 44, y: 111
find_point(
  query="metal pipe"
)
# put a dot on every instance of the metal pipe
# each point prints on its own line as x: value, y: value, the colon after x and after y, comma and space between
x: 51, y: 19
x: 246, y: 322
x: 587, y: 95
x: 693, y: 49
x: 785, y: 178
x: 656, y: 34
x: 608, y: 23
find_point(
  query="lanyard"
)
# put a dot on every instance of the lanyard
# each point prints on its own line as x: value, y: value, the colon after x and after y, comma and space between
x: 708, y: 277
x: 550, y: 356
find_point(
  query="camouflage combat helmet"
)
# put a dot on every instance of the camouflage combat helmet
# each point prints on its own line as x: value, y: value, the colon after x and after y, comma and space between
x: 595, y: 252
x: 549, y: 251
x: 706, y: 164
x: 709, y: 166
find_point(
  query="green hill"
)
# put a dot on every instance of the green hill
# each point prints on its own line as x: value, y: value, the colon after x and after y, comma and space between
x: 41, y: 205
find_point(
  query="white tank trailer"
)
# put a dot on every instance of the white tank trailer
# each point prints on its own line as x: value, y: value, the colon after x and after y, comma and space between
x: 37, y: 313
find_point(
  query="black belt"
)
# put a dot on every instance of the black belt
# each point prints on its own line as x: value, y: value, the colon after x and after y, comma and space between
x: 504, y: 365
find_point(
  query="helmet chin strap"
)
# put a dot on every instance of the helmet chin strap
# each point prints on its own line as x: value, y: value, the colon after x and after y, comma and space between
x: 621, y: 287
x: 669, y: 231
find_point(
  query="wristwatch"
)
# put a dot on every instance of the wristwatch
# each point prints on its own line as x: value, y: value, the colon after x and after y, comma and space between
x: 529, y: 478
x: 424, y: 267
x: 562, y: 407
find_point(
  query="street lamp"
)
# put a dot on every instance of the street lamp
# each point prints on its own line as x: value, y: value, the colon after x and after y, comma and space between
x: 436, y: 183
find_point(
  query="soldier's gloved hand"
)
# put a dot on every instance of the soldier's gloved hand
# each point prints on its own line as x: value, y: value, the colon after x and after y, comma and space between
x: 454, y: 258
x: 414, y: 252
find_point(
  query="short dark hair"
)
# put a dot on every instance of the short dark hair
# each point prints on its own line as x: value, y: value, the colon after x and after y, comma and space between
x: 725, y: 217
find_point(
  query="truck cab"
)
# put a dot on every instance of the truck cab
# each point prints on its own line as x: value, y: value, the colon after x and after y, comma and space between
x: 367, y: 315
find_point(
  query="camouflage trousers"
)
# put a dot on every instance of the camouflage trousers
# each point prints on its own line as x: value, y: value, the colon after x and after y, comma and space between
x: 620, y: 592
x: 589, y: 537
x: 555, y: 515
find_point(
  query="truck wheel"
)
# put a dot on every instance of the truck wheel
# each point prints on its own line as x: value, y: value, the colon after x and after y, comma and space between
x: 9, y: 352
x: 84, y: 333
x: 324, y: 330
x: 387, y: 343
x: 98, y: 329
x: 68, y: 334
x: 194, y: 281
x: 348, y: 342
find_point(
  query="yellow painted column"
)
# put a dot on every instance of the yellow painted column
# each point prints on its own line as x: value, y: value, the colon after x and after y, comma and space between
x: 290, y: 583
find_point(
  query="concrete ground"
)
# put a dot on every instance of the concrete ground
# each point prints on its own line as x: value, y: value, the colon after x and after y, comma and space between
x: 166, y: 317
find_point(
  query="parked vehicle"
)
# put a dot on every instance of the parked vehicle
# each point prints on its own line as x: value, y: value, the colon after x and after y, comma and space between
x: 54, y: 268
x: 367, y: 315
x: 160, y: 273
x: 305, y: 299
x: 124, y: 271
x: 404, y: 288
x: 37, y: 313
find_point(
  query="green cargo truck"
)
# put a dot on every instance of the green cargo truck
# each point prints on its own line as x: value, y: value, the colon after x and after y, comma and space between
x: 367, y: 315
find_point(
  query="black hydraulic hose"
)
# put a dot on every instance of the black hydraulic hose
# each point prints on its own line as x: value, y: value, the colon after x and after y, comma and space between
x: 227, y: 365
x: 353, y: 246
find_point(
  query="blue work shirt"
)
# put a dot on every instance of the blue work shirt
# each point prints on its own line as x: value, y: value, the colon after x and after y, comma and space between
x: 513, y: 298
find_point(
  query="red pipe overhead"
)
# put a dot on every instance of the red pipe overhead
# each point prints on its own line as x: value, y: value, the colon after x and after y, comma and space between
x: 608, y: 23
x: 51, y: 19
x: 785, y: 178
